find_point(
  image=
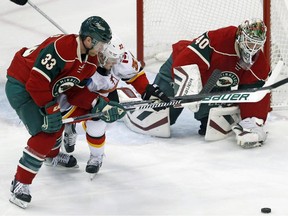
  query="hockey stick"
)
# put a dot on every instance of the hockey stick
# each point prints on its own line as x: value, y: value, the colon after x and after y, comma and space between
x: 210, y: 84
x: 252, y: 96
x: 46, y: 16
x: 83, y: 117
x: 235, y: 96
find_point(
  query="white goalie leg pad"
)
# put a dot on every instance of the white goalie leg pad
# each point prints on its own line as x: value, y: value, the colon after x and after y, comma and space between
x: 149, y: 121
x: 126, y: 94
x: 250, y: 133
x: 188, y: 82
x: 220, y: 122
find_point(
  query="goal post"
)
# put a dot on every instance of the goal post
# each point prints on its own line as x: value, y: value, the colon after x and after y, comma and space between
x: 140, y: 30
x: 161, y: 23
x: 266, y: 19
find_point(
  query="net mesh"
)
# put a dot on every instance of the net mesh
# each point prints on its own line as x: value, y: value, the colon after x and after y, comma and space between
x: 166, y: 22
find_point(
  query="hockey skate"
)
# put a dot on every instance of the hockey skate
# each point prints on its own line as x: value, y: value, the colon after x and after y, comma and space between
x: 20, y: 194
x: 93, y: 165
x: 62, y: 160
x: 70, y: 136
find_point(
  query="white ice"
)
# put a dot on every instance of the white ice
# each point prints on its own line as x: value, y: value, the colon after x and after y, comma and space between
x: 141, y: 175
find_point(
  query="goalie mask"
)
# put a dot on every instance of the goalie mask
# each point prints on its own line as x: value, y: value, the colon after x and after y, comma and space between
x: 251, y: 36
x: 112, y: 54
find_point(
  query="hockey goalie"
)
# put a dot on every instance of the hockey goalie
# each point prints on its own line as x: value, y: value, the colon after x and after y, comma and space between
x: 237, y: 52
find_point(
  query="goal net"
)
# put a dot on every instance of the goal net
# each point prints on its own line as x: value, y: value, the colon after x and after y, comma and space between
x: 161, y: 23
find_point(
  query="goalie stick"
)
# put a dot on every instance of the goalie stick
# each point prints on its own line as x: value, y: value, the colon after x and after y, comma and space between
x: 233, y: 96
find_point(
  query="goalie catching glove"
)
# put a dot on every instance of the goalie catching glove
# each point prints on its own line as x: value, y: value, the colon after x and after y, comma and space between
x: 112, y: 111
x: 250, y: 132
x: 153, y: 92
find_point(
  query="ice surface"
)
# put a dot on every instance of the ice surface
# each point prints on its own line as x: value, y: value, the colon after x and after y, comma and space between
x: 141, y: 175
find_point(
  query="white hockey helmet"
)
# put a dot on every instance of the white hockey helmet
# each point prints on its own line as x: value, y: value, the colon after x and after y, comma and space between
x: 251, y: 36
x: 113, y: 53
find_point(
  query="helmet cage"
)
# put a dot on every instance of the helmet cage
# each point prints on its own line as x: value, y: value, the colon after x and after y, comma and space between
x: 251, y: 39
x: 103, y: 59
x: 98, y: 45
x: 113, y: 53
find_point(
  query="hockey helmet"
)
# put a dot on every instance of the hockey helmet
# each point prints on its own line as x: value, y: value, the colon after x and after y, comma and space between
x: 113, y: 53
x: 251, y: 36
x: 96, y: 28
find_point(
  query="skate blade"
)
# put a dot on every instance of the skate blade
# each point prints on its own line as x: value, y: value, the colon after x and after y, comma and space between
x: 18, y: 202
x: 61, y: 167
x: 92, y: 176
x: 74, y: 167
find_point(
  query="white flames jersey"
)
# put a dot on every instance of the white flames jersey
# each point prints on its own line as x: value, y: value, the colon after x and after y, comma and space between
x: 128, y: 68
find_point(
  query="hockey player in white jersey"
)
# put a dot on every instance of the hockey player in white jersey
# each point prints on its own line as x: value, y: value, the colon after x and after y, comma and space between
x: 115, y: 64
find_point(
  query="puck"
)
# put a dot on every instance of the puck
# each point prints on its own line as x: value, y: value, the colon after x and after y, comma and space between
x: 265, y: 210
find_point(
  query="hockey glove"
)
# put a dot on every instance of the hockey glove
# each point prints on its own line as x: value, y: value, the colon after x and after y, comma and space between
x: 250, y: 133
x: 154, y: 92
x: 52, y: 117
x: 112, y: 111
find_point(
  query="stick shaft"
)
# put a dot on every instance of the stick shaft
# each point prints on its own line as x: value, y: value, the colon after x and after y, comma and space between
x: 202, y: 96
x: 46, y: 16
